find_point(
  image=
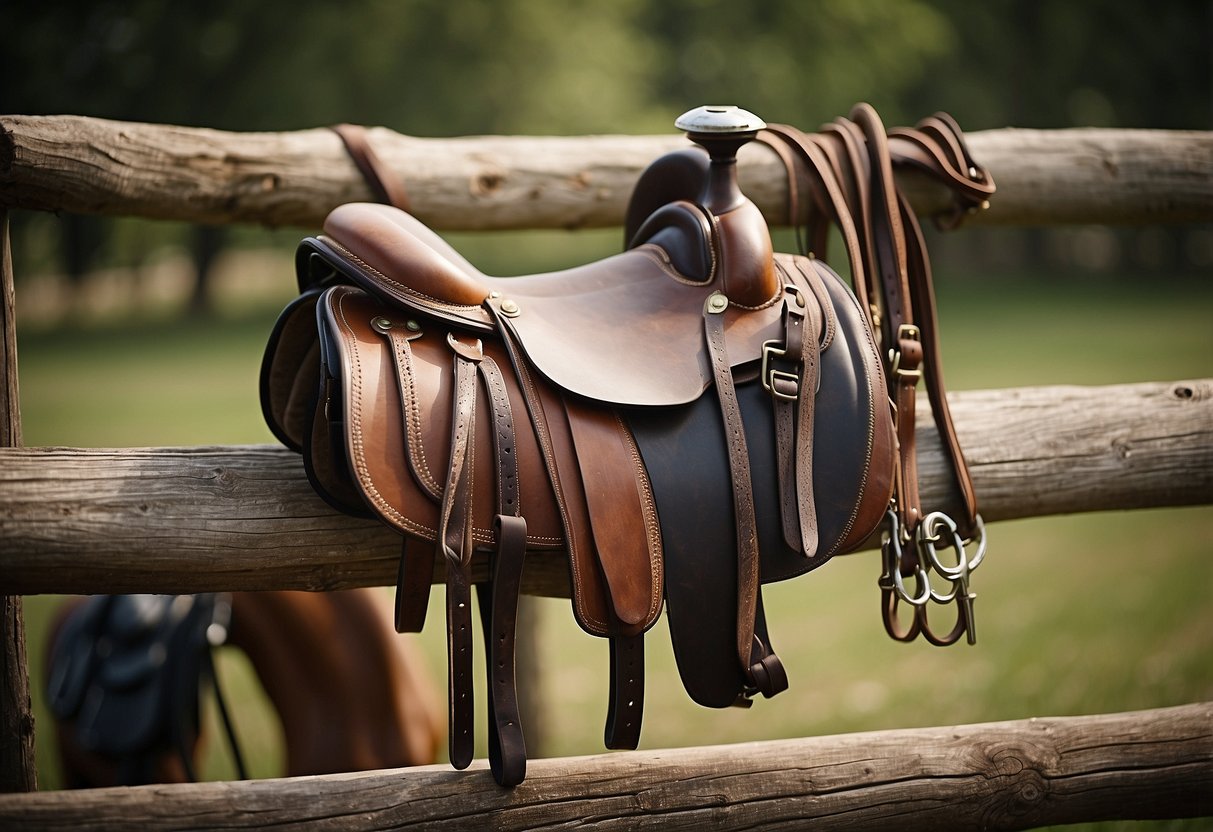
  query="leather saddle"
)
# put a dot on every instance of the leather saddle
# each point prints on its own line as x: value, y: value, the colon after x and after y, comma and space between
x: 126, y: 671
x: 685, y: 421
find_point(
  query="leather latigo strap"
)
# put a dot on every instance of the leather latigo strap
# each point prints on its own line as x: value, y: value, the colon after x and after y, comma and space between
x: 848, y: 167
x: 763, y: 671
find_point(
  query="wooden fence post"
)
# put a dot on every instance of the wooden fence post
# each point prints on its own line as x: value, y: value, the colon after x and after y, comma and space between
x: 17, y: 769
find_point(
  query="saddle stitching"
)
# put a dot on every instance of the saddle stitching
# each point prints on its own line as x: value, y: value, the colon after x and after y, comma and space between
x: 652, y: 527
x: 427, y: 300
x: 539, y: 425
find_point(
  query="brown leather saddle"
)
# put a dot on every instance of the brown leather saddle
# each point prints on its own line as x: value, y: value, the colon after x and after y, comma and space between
x: 685, y: 420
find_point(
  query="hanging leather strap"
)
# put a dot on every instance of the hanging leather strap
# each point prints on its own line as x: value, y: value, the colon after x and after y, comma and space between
x: 763, y: 671
x: 384, y: 184
x: 848, y: 168
x: 790, y: 373
x: 499, y: 600
x: 849, y: 171
x: 454, y: 541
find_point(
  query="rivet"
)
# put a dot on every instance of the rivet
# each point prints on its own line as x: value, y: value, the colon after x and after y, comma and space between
x: 717, y: 303
x: 412, y: 326
x: 509, y: 308
x: 382, y: 324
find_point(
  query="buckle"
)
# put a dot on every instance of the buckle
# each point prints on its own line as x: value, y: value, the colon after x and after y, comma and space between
x: 770, y: 375
x: 905, y: 332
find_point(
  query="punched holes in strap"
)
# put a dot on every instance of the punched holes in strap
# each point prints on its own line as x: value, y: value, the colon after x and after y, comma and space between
x: 454, y: 540
x: 752, y: 657
x: 790, y: 373
x: 507, y: 746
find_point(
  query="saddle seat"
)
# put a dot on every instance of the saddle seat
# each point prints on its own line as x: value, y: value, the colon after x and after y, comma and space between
x: 626, y: 330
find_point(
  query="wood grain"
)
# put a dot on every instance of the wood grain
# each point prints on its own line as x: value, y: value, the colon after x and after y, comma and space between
x: 245, y: 518
x: 18, y: 771
x: 97, y: 166
x: 997, y: 776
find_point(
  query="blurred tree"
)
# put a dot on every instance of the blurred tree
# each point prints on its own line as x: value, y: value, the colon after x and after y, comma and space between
x: 455, y: 67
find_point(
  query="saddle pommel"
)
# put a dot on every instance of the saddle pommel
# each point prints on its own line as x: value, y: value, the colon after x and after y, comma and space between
x: 748, y: 274
x: 721, y: 131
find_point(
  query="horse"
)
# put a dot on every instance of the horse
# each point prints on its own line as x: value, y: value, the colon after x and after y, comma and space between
x: 351, y: 694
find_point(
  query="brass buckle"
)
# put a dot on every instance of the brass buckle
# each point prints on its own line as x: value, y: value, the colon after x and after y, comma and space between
x: 906, y: 332
x: 772, y: 349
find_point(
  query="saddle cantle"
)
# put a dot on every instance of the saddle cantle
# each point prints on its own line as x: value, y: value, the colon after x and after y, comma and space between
x: 685, y: 420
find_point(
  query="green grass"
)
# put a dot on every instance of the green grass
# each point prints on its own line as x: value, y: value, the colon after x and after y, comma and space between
x: 1083, y: 614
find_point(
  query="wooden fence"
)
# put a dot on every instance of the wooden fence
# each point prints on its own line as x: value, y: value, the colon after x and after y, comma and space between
x: 999, y: 776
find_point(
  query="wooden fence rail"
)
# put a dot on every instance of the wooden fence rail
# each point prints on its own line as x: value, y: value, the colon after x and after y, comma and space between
x: 245, y: 518
x: 194, y: 519
x: 996, y: 776
x: 89, y: 165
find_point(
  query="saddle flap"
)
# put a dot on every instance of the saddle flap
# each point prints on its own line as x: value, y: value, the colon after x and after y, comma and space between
x: 627, y: 330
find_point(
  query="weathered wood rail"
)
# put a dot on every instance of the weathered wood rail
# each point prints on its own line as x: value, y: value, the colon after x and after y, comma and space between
x: 89, y: 165
x: 151, y: 520
x: 193, y: 519
x: 997, y: 776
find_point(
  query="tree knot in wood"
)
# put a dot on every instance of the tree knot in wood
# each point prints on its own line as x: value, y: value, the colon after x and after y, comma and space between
x: 1186, y: 391
x: 1016, y: 775
x: 487, y: 183
x: 224, y: 479
x: 1122, y: 447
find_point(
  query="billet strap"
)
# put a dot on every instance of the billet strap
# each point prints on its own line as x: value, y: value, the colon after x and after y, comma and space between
x: 626, y: 706
x: 507, y: 747
x: 454, y: 541
x: 762, y: 669
x: 384, y: 184
x: 499, y: 599
x: 790, y: 373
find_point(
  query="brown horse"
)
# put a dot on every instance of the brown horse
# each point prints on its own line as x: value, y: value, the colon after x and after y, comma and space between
x: 351, y: 694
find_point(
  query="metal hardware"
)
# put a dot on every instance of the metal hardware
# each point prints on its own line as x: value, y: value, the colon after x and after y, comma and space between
x: 717, y: 303
x: 935, y: 528
x: 510, y: 309
x: 384, y: 326
x: 719, y: 119
x: 772, y: 349
x: 905, y: 332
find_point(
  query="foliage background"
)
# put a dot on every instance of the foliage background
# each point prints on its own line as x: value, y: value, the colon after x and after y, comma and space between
x: 137, y: 332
